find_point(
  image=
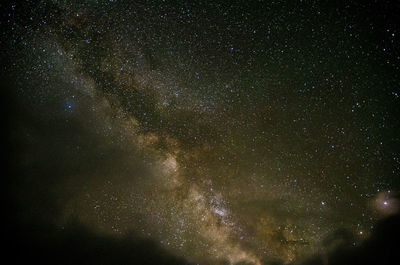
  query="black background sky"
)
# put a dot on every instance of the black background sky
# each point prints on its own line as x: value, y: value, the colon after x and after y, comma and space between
x: 156, y: 132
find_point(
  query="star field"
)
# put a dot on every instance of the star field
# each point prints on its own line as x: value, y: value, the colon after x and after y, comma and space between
x: 224, y: 133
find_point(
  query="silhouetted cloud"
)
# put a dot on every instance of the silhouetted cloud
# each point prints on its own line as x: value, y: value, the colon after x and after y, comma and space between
x: 77, y: 244
x: 381, y: 248
x: 32, y: 204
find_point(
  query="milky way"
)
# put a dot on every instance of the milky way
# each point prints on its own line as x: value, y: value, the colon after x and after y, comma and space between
x: 223, y: 133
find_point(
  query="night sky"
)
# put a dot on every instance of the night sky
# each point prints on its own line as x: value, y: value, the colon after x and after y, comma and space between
x: 201, y: 132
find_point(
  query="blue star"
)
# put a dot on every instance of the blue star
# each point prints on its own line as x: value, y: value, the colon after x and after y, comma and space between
x: 69, y: 105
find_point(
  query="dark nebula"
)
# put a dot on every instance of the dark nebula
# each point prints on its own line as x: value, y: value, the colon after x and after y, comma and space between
x: 201, y: 132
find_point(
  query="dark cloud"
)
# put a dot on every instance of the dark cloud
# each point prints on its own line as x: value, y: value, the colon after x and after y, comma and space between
x: 76, y: 244
x: 37, y: 192
x: 382, y: 247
